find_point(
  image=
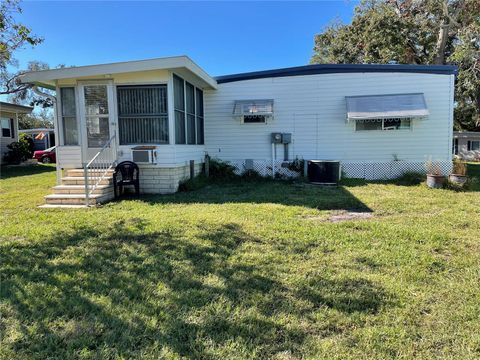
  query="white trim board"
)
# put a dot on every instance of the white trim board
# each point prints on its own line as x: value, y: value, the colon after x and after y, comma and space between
x: 47, y: 77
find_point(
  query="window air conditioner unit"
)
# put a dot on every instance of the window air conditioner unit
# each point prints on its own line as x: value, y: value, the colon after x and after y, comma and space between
x: 144, y: 155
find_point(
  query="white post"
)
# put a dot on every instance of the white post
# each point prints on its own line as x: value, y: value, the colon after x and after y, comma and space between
x: 85, y: 174
x: 273, y: 160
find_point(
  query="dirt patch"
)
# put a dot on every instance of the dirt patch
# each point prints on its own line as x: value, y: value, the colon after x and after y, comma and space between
x: 349, y: 215
x: 343, y: 215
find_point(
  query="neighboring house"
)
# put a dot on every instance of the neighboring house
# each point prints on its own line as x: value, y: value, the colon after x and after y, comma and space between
x: 466, y: 144
x: 9, y: 122
x: 378, y: 120
x: 43, y: 138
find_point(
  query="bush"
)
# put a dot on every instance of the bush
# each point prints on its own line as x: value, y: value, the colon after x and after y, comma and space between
x: 296, y: 165
x: 20, y: 150
x: 410, y: 178
x: 196, y: 183
x: 221, y: 170
x: 251, y: 174
x: 459, y: 167
x: 31, y: 144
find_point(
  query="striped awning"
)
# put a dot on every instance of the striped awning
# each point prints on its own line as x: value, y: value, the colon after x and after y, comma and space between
x: 386, y: 106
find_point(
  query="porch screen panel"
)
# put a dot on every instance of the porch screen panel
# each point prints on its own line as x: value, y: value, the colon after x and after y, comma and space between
x: 96, y: 115
x: 190, y: 100
x: 69, y: 116
x: 142, y: 114
x: 199, y: 112
x: 179, y: 104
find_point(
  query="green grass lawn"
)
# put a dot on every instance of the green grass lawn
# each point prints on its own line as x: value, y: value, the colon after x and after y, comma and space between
x: 240, y: 271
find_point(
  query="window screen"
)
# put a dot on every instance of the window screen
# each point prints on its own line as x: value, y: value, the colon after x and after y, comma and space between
x: 190, y: 101
x: 199, y: 114
x: 383, y: 124
x: 179, y: 104
x: 142, y: 114
x: 69, y: 116
x: 189, y: 118
x: 6, y: 127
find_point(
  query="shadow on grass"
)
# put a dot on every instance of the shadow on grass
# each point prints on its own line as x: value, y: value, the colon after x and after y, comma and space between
x: 123, y: 291
x: 7, y: 172
x: 267, y: 192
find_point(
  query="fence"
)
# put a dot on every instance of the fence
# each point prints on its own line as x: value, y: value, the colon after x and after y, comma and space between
x: 368, y: 171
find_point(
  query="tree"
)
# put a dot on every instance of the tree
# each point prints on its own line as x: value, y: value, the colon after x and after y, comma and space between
x: 413, y: 32
x: 38, y: 119
x: 13, y: 36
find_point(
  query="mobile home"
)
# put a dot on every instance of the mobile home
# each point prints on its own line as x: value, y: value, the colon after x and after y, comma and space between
x: 466, y: 145
x: 167, y: 114
x: 9, y: 114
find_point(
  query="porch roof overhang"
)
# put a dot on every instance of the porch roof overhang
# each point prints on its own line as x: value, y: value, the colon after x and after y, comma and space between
x: 386, y: 106
x: 14, y: 108
x: 48, y: 78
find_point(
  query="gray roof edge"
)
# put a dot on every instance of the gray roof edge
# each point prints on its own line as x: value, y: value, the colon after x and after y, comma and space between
x: 317, y: 69
x: 14, y: 106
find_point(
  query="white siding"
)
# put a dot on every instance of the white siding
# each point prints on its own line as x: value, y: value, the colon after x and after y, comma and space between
x: 313, y: 109
x: 69, y: 156
x: 5, y: 141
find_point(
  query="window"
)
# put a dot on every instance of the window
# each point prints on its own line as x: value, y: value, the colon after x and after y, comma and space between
x: 69, y: 116
x: 189, y: 118
x: 179, y: 105
x: 7, y: 127
x: 199, y: 114
x: 254, y: 119
x: 383, y: 124
x: 96, y: 113
x: 142, y: 114
x: 253, y: 111
x: 455, y: 146
x: 473, y: 145
x: 190, y: 100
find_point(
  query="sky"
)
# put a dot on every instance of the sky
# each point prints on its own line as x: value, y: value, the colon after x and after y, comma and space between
x: 222, y: 37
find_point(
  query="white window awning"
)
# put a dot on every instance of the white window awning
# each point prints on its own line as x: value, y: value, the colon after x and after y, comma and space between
x: 386, y: 106
x: 253, y: 107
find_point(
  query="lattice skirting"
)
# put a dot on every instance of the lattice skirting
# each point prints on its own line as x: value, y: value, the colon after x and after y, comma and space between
x: 368, y: 171
x: 264, y: 168
x: 388, y: 170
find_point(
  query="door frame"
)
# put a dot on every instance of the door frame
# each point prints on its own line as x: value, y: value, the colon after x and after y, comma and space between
x: 88, y: 153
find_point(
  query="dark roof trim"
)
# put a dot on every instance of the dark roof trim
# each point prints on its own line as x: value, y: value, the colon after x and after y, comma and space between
x: 339, y: 68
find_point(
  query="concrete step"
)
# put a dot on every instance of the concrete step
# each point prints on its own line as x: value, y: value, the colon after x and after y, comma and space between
x: 76, y: 199
x: 78, y: 180
x: 80, y: 172
x: 80, y: 189
x: 62, y: 206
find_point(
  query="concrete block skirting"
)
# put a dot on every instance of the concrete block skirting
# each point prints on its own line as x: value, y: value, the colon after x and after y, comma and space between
x: 159, y: 180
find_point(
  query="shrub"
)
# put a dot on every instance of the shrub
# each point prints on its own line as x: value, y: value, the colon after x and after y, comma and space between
x: 459, y: 167
x: 296, y: 165
x: 410, y: 178
x: 221, y: 170
x: 20, y: 150
x: 31, y: 144
x: 196, y: 183
x: 251, y: 174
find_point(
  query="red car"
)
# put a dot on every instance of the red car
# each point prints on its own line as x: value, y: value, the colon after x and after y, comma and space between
x: 46, y: 156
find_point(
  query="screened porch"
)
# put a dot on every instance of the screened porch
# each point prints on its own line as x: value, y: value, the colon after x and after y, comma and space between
x: 95, y: 113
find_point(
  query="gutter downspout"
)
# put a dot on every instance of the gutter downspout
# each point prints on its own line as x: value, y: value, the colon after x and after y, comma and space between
x: 40, y: 93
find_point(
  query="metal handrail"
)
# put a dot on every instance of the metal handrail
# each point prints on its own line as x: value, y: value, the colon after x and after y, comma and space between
x: 99, y: 166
